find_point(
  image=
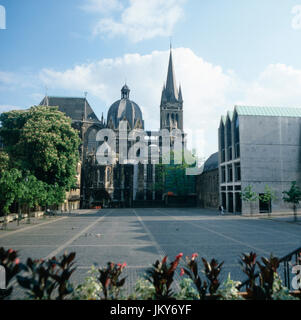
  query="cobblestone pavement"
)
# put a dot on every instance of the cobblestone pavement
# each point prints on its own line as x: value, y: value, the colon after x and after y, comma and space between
x: 140, y: 236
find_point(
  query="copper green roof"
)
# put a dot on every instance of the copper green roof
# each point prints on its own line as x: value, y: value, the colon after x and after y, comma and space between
x: 268, y: 111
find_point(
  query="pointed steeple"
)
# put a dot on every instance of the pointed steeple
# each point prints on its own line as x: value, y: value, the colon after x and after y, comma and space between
x: 163, y: 95
x: 180, y: 94
x: 171, y: 87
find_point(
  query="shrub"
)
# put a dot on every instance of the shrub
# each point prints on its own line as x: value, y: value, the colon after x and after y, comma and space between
x: 109, y: 280
x: 161, y: 277
x: 44, y: 278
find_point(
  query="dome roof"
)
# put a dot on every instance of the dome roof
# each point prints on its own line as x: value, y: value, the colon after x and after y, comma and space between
x: 125, y: 109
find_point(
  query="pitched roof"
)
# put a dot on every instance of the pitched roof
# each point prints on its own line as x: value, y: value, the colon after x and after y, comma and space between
x: 72, y: 107
x: 171, y: 87
x: 268, y: 111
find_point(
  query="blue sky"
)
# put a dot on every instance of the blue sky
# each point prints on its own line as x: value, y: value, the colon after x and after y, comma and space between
x: 238, y: 51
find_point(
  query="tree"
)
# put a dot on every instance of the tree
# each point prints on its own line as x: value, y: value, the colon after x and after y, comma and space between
x: 248, y: 195
x: 39, y: 160
x: 293, y: 195
x: 9, y: 188
x: 268, y: 196
x: 42, y: 141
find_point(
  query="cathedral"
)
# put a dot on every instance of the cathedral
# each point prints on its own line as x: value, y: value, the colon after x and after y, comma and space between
x: 118, y: 184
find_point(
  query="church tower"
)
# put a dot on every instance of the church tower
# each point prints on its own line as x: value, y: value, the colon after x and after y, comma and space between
x: 171, y: 108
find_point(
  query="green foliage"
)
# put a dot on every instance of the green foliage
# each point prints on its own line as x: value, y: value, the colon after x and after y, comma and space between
x: 228, y: 290
x: 144, y: 290
x: 187, y: 290
x: 9, y: 188
x: 172, y: 177
x: 268, y: 195
x: 212, y: 270
x: 109, y: 280
x: 20, y: 187
x: 248, y: 194
x: 38, y: 164
x: 90, y: 289
x: 293, y: 195
x: 280, y: 292
x: 42, y: 141
x: 161, y: 277
x: 4, y: 161
x: 51, y: 280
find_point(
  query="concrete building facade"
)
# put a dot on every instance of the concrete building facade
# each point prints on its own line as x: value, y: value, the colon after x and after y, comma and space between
x: 258, y: 146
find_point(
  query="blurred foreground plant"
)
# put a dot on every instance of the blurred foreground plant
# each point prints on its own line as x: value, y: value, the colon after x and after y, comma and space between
x: 45, y: 278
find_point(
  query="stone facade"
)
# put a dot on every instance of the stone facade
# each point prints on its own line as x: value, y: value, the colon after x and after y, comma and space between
x: 259, y: 146
x: 207, y: 184
x: 120, y: 184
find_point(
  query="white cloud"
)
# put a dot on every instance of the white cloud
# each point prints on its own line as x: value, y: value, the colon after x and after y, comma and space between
x: 208, y: 90
x: 296, y: 21
x: 277, y: 85
x: 205, y: 87
x: 142, y: 19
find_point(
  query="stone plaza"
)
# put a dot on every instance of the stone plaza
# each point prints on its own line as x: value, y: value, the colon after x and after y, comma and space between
x: 141, y: 236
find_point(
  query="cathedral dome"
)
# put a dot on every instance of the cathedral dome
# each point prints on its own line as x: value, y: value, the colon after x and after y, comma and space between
x: 125, y: 109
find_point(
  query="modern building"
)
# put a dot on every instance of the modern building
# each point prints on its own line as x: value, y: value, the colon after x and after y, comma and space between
x: 258, y: 146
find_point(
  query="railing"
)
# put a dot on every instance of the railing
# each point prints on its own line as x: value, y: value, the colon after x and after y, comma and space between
x: 287, y: 263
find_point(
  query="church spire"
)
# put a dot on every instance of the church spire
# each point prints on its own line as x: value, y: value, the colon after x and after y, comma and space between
x: 171, y: 87
x: 180, y: 94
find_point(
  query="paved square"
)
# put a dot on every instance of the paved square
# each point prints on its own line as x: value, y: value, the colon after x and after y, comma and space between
x: 140, y: 236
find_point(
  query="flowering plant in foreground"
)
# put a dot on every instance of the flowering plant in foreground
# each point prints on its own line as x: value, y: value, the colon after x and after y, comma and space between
x: 161, y: 276
x: 43, y: 279
x: 109, y: 280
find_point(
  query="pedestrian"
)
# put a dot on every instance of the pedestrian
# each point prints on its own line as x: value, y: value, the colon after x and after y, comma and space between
x: 221, y: 210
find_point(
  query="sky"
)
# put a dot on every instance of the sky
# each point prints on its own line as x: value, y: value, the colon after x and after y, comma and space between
x: 226, y: 52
